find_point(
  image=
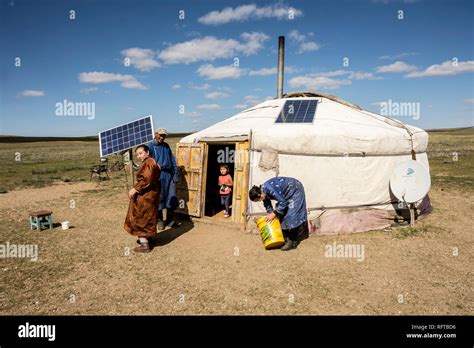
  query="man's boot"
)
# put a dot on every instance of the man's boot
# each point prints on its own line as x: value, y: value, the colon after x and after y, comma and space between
x: 170, y: 218
x: 290, y: 240
x: 143, y: 248
x: 159, y: 222
x: 303, y: 233
x: 289, y: 245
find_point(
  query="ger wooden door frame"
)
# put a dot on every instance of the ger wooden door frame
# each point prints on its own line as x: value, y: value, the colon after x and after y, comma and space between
x: 240, y: 177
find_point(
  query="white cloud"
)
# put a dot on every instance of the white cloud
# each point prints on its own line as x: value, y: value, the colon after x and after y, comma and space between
x: 193, y: 114
x: 216, y: 95
x: 334, y: 73
x: 203, y: 87
x: 249, y: 101
x: 31, y: 93
x: 88, y: 90
x: 445, y: 69
x: 291, y: 69
x: 302, y: 41
x: 240, y: 106
x: 176, y: 86
x: 308, y: 47
x: 252, y: 42
x: 396, y: 67
x: 326, y: 80
x: 252, y: 99
x: 271, y: 71
x: 400, y: 55
x: 311, y: 82
x: 246, y: 12
x: 211, y: 72
x: 132, y: 84
x: 141, y: 58
x: 360, y: 75
x: 207, y: 48
x: 210, y: 48
x: 263, y: 72
x: 99, y: 77
x: 296, y: 36
x: 469, y: 101
x: 209, y: 106
x: 353, y: 75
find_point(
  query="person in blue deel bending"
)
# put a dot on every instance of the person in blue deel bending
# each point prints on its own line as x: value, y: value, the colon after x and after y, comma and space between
x: 290, y: 207
x: 161, y: 153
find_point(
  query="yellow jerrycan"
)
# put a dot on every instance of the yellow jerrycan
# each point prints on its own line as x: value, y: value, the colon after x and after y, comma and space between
x: 271, y: 233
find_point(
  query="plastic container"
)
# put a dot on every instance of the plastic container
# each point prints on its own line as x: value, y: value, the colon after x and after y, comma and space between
x: 271, y: 233
x: 65, y: 225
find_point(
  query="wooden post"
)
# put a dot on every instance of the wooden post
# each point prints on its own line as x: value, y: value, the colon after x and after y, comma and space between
x: 128, y: 167
x: 246, y: 184
x: 412, y: 205
x: 130, y: 153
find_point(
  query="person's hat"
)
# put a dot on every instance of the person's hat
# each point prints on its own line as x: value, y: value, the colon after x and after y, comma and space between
x: 161, y: 131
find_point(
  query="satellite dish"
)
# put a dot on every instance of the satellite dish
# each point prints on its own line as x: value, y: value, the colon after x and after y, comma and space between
x: 410, y: 181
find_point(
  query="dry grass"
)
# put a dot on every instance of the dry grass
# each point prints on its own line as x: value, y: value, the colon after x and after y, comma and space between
x: 200, y: 268
x: 451, y: 156
x: 40, y: 164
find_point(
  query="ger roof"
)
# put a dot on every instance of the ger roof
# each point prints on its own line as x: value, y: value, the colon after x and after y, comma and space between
x: 338, y: 125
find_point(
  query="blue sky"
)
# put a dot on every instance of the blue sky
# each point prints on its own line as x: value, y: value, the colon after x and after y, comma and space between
x: 135, y: 58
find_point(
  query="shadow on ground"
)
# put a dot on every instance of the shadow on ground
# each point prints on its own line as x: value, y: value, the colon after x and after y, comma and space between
x: 169, y: 235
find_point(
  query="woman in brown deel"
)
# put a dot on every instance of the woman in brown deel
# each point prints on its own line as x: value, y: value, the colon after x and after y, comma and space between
x: 144, y: 198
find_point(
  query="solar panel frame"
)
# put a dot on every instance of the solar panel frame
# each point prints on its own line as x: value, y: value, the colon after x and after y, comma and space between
x: 304, y: 112
x: 126, y: 136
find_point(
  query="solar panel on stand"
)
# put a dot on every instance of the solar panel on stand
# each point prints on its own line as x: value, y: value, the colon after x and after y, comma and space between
x: 126, y: 136
x: 297, y: 111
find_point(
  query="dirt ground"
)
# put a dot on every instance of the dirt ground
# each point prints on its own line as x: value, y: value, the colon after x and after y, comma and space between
x: 200, y: 268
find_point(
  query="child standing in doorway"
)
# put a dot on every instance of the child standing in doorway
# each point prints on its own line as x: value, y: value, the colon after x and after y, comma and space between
x: 225, y: 188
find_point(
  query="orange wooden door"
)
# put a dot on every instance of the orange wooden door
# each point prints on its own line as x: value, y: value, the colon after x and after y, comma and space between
x: 190, y: 159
